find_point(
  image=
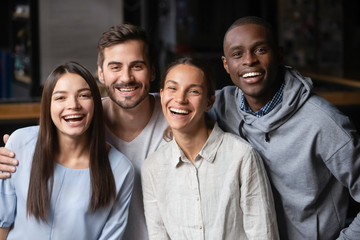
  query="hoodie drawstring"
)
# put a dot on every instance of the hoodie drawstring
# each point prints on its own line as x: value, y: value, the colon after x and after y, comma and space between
x: 240, y: 130
x: 267, y: 137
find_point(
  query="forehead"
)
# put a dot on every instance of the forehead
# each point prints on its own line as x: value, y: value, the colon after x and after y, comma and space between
x: 69, y: 82
x: 246, y: 33
x: 186, y: 74
x: 126, y: 51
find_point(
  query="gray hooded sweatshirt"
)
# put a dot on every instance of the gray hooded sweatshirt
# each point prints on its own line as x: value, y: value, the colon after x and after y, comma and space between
x: 311, y: 152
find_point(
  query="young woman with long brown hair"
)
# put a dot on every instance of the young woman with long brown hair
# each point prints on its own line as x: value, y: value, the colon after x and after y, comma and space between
x: 69, y: 183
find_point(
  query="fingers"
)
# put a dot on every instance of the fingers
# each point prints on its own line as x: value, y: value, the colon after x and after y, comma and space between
x: 7, y: 161
x: 7, y: 167
x: 5, y: 175
x: 5, y: 138
x: 5, y: 154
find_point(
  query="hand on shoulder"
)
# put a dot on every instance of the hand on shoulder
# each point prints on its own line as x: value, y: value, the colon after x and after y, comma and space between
x: 7, y: 160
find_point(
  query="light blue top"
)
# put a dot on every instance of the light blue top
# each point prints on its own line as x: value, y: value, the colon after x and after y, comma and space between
x: 68, y: 217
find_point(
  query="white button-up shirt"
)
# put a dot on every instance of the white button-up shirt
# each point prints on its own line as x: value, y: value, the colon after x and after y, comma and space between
x: 225, y: 194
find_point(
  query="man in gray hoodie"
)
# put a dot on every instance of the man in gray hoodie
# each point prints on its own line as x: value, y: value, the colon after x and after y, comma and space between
x: 310, y: 149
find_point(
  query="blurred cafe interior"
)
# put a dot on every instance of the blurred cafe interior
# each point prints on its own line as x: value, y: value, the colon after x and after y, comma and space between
x: 320, y: 38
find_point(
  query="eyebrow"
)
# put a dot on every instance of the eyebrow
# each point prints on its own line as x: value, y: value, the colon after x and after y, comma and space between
x: 80, y: 90
x: 133, y: 62
x: 253, y: 45
x: 175, y: 82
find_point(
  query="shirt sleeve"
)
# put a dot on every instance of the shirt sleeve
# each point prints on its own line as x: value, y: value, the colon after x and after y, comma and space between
x: 7, y: 203
x: 345, y: 166
x: 8, y: 194
x: 257, y: 201
x: 116, y: 223
x: 154, y: 222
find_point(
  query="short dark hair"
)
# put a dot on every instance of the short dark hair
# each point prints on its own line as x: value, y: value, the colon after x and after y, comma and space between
x: 120, y: 34
x: 258, y: 21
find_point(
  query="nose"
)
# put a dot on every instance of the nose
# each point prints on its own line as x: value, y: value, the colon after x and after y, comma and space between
x: 126, y: 74
x: 249, y: 58
x: 180, y: 96
x: 73, y: 103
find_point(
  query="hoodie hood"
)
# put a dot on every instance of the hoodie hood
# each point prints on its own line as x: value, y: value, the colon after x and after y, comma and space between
x: 296, y: 91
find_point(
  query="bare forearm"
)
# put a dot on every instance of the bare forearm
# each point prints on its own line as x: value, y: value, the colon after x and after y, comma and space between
x: 3, y: 233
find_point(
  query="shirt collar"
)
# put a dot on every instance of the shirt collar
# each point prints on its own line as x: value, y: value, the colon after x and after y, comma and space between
x: 208, y: 151
x: 269, y: 106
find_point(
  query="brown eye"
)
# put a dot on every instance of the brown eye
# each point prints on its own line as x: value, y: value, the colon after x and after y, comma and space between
x: 260, y: 50
x: 237, y: 54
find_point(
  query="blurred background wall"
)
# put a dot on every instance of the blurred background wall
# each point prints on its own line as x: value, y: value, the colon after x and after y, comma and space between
x: 320, y: 38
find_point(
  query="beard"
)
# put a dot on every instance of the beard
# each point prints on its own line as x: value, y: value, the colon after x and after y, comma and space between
x: 127, y: 102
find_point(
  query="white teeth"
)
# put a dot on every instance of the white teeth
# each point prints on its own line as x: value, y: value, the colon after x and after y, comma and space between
x: 251, y: 74
x: 72, y: 117
x: 126, y: 89
x: 179, y: 111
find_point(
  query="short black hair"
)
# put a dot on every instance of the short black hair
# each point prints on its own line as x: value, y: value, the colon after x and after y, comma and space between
x: 258, y: 21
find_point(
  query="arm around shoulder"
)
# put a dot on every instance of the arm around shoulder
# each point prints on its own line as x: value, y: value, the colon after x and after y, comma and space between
x: 8, y: 162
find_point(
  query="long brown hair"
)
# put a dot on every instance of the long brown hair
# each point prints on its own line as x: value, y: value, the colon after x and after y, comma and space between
x: 103, y: 190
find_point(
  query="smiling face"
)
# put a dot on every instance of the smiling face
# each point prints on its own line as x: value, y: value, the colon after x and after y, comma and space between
x: 126, y: 73
x: 72, y: 105
x: 252, y: 61
x: 184, y: 98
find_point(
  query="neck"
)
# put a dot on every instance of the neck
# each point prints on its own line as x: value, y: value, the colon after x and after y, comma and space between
x: 256, y: 103
x: 127, y: 124
x: 192, y: 142
x: 74, y: 152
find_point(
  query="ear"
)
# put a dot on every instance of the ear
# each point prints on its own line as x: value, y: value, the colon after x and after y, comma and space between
x: 101, y: 75
x: 223, y: 58
x: 211, y: 101
x: 161, y: 92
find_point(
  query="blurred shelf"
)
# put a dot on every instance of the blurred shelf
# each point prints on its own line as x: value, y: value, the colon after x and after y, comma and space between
x: 341, y: 98
x: 335, y: 80
x: 19, y: 111
x: 337, y: 90
x: 23, y: 78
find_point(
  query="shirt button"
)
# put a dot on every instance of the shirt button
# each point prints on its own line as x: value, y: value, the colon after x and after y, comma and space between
x: 200, y: 227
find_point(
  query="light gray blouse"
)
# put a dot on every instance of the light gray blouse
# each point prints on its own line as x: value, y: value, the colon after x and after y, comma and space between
x: 225, y: 194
